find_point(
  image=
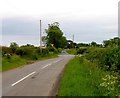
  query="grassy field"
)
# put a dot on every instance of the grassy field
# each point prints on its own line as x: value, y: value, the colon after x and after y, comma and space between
x: 81, y: 79
x: 17, y: 61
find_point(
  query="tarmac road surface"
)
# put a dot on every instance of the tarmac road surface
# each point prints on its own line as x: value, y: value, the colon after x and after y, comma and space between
x: 35, y: 79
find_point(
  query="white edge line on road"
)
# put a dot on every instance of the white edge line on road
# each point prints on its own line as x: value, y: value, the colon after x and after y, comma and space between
x: 23, y: 78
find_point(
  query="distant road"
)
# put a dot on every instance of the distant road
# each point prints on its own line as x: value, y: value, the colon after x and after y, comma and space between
x: 35, y: 79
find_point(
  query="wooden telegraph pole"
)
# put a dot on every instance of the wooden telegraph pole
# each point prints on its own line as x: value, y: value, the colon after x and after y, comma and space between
x: 40, y: 37
x: 73, y: 40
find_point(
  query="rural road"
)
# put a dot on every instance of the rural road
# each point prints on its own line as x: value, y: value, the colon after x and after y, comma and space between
x: 37, y: 79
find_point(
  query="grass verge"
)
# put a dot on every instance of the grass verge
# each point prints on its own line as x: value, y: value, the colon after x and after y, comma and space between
x: 81, y: 79
x: 17, y: 61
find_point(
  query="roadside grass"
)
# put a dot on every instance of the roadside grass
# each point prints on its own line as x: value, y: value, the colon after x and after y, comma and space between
x: 81, y: 79
x: 16, y: 61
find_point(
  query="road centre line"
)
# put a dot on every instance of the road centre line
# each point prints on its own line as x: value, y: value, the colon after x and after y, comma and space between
x: 23, y: 78
x: 50, y: 64
x: 57, y: 61
x: 46, y: 66
x: 34, y: 72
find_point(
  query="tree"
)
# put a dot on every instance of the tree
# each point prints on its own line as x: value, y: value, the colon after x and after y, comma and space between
x: 64, y: 42
x: 55, y: 36
x: 83, y: 45
x: 70, y: 44
x: 44, y: 40
x: 13, y: 46
x: 112, y: 42
x: 93, y: 44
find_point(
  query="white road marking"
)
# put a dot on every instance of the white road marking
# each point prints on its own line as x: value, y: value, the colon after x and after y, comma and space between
x: 34, y: 72
x: 57, y: 61
x: 45, y: 66
x: 51, y: 64
x: 23, y: 78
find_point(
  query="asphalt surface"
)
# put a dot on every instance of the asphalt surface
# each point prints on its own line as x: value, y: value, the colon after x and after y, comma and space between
x: 35, y: 79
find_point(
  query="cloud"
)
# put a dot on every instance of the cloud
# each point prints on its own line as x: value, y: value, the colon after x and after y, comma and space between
x: 88, y: 20
x: 25, y: 30
x: 76, y: 8
x: 20, y: 39
x: 19, y: 26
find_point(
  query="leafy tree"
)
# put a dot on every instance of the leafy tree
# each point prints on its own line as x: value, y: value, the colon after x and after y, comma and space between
x: 44, y: 40
x: 112, y: 42
x: 55, y: 36
x: 29, y: 45
x: 106, y: 43
x: 13, y: 46
x: 70, y: 44
x: 64, y: 42
x: 75, y: 45
x: 82, y: 45
x: 6, y: 50
x: 93, y: 44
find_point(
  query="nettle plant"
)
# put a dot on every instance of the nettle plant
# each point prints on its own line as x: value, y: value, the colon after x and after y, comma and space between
x: 111, y: 84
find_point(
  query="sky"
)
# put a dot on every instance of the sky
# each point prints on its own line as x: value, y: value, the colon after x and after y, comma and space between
x: 88, y: 20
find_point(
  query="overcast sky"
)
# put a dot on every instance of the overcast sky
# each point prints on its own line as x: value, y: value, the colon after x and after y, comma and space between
x: 88, y: 20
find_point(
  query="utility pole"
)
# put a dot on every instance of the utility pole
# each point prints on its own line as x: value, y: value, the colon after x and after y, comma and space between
x: 40, y: 37
x: 73, y: 40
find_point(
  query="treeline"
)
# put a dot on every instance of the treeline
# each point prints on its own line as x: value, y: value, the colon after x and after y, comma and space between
x: 28, y: 51
x: 106, y: 43
x: 71, y: 44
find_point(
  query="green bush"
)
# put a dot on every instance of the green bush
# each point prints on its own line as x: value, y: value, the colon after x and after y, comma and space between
x: 45, y: 51
x: 38, y: 50
x: 13, y: 46
x: 20, y: 51
x: 110, y: 83
x: 34, y: 56
x: 111, y: 58
x: 8, y: 56
x: 94, y: 54
x: 71, y: 51
x: 81, y: 50
x: 52, y: 49
x: 25, y: 51
x: 59, y: 50
x: 105, y: 57
x: 6, y: 50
